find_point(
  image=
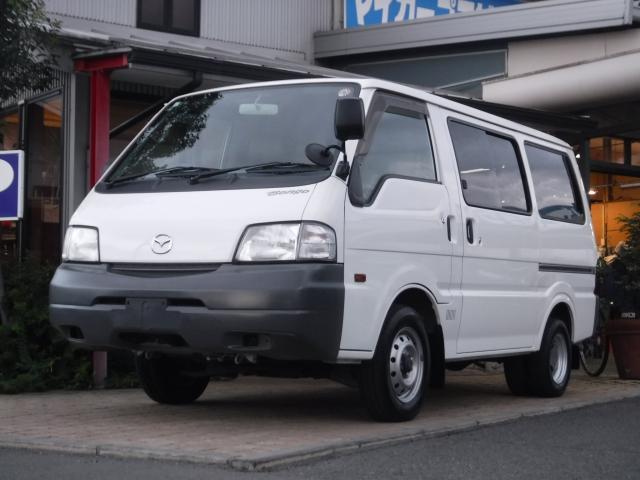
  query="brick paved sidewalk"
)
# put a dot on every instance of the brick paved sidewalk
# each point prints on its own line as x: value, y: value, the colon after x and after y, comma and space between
x: 260, y: 423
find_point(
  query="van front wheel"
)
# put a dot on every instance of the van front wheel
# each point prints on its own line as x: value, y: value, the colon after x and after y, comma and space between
x: 170, y: 380
x: 392, y: 383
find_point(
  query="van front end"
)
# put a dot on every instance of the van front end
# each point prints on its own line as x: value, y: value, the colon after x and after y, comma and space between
x: 213, y: 245
x: 291, y: 311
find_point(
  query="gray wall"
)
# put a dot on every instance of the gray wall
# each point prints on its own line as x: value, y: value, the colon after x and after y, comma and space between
x: 281, y: 25
x: 121, y: 12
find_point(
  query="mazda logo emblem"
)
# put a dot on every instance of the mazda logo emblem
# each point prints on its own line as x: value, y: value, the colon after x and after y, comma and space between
x: 161, y: 244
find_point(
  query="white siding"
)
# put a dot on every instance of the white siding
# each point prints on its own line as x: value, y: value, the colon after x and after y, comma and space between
x: 286, y: 25
x: 541, y: 54
x: 121, y: 12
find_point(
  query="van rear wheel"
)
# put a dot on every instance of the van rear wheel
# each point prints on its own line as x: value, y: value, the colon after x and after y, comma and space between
x: 545, y: 373
x: 550, y: 367
x: 170, y: 380
x: 392, y: 383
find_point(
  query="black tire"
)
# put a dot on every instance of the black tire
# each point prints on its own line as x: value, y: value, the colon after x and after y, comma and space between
x: 164, y: 380
x: 549, y: 376
x: 515, y: 371
x: 403, y: 332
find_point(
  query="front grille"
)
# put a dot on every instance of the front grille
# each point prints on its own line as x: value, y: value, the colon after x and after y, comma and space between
x: 171, y: 302
x: 162, y: 268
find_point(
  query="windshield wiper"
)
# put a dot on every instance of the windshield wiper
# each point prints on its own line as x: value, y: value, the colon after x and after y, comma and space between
x: 159, y: 173
x: 184, y: 171
x: 260, y: 166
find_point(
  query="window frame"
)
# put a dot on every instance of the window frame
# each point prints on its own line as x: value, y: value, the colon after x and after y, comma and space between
x: 519, y: 157
x: 166, y: 19
x: 575, y: 189
x: 382, y: 102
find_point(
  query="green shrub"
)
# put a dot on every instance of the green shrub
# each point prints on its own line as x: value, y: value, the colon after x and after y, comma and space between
x: 618, y: 276
x: 33, y: 355
x: 630, y: 257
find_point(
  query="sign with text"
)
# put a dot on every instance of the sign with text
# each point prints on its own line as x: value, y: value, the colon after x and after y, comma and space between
x: 11, y: 184
x: 360, y: 13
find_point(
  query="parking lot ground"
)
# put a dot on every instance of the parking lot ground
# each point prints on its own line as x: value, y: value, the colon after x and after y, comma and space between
x: 258, y: 423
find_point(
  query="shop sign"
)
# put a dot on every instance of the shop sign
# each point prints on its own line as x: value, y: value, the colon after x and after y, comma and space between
x: 360, y: 13
x: 11, y: 184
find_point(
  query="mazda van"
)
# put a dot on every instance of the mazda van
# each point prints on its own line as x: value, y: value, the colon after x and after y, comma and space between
x: 358, y: 230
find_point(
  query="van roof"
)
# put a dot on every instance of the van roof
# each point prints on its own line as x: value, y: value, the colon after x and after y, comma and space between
x: 426, y: 95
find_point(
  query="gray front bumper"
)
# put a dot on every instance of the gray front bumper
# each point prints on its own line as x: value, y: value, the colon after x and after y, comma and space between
x: 289, y: 312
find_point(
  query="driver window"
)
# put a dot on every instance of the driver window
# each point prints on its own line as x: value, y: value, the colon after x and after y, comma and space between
x: 400, y: 147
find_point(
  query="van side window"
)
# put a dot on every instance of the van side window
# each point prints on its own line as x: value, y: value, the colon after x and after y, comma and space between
x: 555, y: 185
x: 400, y: 147
x: 490, y: 169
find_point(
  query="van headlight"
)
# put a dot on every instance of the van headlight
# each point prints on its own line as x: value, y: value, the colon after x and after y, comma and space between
x: 81, y: 245
x: 287, y: 242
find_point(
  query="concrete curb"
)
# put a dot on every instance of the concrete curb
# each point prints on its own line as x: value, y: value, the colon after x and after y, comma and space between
x: 297, y: 456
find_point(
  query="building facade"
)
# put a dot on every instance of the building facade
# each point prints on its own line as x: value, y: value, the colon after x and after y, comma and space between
x: 576, y: 60
x: 569, y: 67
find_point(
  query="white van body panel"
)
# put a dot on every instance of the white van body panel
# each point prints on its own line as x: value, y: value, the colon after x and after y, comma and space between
x: 568, y: 244
x: 395, y: 242
x: 326, y: 205
x: 205, y: 226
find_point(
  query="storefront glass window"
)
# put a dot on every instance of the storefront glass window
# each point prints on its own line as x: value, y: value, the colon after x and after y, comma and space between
x: 9, y: 140
x: 612, y: 196
x: 635, y: 153
x: 43, y: 166
x: 606, y: 149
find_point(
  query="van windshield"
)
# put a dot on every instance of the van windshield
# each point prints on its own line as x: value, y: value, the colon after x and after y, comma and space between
x: 227, y: 130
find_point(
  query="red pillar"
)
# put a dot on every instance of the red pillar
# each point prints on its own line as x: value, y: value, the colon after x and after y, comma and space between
x: 100, y: 68
x: 99, y: 124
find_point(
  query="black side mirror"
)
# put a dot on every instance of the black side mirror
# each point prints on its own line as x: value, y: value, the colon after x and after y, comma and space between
x: 349, y: 119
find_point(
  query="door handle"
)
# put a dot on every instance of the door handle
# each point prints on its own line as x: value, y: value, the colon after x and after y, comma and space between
x: 470, y: 230
x: 449, y: 227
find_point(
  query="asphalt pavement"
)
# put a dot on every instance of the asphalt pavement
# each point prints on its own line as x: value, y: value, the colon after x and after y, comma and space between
x: 594, y: 442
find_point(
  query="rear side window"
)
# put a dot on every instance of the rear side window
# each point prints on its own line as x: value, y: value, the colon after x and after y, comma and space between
x: 555, y: 185
x: 400, y: 147
x: 490, y: 169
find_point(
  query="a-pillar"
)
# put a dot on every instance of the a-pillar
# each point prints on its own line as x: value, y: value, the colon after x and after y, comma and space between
x: 99, y: 67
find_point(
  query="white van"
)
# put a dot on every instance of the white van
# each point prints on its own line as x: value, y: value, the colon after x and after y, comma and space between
x: 269, y: 229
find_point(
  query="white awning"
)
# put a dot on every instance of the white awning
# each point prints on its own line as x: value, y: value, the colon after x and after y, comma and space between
x: 583, y: 85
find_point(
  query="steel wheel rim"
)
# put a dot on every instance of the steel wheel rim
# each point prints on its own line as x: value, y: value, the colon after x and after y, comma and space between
x: 559, y: 359
x: 406, y: 365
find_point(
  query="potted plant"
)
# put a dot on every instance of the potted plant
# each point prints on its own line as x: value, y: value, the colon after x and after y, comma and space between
x: 623, y: 325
